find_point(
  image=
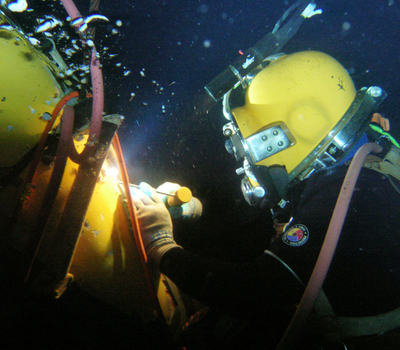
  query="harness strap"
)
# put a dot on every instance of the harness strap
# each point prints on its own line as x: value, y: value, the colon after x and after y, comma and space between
x: 338, y: 327
x: 389, y: 166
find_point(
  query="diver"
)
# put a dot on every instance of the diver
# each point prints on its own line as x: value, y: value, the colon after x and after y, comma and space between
x: 296, y: 125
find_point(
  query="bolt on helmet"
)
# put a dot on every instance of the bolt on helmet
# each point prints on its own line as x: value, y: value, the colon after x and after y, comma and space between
x: 299, y: 114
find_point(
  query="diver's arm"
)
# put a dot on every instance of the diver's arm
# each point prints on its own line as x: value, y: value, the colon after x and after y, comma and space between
x: 263, y: 287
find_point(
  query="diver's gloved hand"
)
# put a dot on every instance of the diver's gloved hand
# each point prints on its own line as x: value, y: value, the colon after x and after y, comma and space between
x: 155, y: 223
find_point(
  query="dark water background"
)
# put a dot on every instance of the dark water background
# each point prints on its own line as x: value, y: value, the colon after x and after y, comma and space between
x: 175, y: 134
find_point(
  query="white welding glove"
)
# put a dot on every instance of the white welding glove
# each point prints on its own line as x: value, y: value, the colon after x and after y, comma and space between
x: 154, y: 221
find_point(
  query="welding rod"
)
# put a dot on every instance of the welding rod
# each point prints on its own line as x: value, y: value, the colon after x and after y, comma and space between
x: 160, y: 192
x: 180, y: 196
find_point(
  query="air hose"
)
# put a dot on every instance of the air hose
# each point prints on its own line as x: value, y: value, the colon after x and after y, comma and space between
x: 97, y: 91
x: 328, y: 248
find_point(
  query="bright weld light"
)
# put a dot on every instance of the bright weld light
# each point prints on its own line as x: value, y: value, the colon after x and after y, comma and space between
x: 113, y: 172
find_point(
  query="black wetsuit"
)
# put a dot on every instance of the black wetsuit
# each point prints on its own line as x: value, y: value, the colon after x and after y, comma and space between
x: 364, y: 278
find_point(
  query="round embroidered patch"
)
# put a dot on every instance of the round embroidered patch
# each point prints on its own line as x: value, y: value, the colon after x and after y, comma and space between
x: 296, y: 235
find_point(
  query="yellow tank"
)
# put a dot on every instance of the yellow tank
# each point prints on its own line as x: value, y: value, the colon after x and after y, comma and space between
x: 28, y: 91
x: 105, y: 260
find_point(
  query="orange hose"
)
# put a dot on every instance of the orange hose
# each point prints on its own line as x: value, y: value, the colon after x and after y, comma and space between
x: 328, y: 248
x: 132, y: 213
x: 53, y: 186
x: 135, y: 224
x: 57, y: 109
x: 59, y: 106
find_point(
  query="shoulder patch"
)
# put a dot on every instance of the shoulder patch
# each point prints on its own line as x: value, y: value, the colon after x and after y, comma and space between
x: 296, y: 235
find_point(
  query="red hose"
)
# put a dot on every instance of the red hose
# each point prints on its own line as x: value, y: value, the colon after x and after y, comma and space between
x: 97, y: 90
x: 135, y: 224
x: 53, y: 186
x: 125, y: 181
x: 42, y: 142
x: 328, y: 248
x: 71, y: 9
x: 64, y: 146
x: 97, y: 111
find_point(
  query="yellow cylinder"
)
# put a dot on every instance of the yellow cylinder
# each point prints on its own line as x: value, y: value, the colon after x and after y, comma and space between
x: 28, y: 91
x: 181, y: 196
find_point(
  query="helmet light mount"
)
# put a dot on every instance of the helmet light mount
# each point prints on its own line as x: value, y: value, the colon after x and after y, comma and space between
x: 270, y: 44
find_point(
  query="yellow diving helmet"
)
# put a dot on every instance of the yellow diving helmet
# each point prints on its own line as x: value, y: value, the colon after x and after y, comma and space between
x: 299, y: 114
